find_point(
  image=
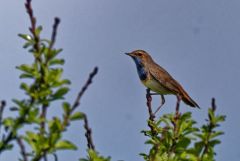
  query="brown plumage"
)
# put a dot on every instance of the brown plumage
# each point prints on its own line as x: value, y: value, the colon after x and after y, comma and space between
x: 154, y: 77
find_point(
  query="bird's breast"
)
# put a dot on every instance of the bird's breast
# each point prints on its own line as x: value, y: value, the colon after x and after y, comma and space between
x: 156, y: 86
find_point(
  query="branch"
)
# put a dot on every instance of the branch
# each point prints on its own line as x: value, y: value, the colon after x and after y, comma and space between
x: 149, y: 100
x: 6, y: 141
x: 53, y: 39
x: 210, y: 127
x: 76, y: 103
x: 54, y: 34
x: 22, y: 148
x: 151, y: 114
x: 88, y: 134
x: 84, y: 88
x: 2, y: 105
x: 55, y: 157
x: 175, y: 126
x: 32, y: 29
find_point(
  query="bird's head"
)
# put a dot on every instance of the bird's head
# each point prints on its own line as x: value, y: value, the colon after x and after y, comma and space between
x: 140, y: 57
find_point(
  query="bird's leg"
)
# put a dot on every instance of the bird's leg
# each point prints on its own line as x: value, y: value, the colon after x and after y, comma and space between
x: 179, y: 98
x: 162, y: 103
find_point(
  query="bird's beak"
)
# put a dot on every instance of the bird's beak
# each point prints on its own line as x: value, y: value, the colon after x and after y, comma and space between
x: 129, y: 54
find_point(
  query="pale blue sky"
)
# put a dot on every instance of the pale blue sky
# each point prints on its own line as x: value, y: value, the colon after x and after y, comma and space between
x: 198, y: 42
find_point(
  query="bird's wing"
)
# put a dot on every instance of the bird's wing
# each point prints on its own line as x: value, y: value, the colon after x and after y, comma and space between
x: 164, y: 78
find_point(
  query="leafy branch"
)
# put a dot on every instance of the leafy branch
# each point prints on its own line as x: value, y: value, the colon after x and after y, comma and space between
x: 175, y: 137
x: 37, y: 135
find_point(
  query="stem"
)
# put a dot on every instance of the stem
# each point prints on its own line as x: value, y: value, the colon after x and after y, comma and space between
x: 2, y: 105
x: 84, y: 88
x: 211, y: 126
x: 53, y: 37
x: 88, y: 134
x: 22, y: 148
x: 6, y: 141
x: 32, y: 29
x: 80, y: 94
x: 55, y: 157
x: 175, y: 127
x: 12, y: 134
x: 76, y: 103
x: 149, y: 100
x: 151, y: 114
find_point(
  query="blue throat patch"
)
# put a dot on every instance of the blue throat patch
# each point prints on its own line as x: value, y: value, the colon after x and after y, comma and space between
x: 140, y: 68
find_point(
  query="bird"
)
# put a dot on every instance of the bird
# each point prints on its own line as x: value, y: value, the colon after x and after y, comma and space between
x: 157, y: 79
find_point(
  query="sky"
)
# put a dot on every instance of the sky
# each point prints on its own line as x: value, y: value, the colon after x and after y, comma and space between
x: 197, y: 42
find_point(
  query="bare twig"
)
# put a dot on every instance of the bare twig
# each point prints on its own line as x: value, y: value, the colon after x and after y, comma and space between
x: 76, y: 103
x: 22, y: 148
x: 88, y: 134
x: 55, y: 156
x: 32, y: 29
x: 213, y: 104
x: 84, y: 88
x: 54, y: 34
x: 80, y: 94
x: 2, y: 105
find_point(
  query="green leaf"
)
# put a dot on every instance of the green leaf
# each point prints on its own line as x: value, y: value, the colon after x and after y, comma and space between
x: 215, y: 134
x: 183, y: 143
x: 32, y: 139
x: 55, y: 125
x: 56, y: 62
x: 60, y: 93
x: 66, y: 107
x: 65, y: 145
x: 27, y: 44
x: 25, y: 68
x: 24, y: 75
x: 24, y: 86
x: 38, y: 30
x: 33, y: 116
x: 25, y: 37
x: 5, y: 147
x: 55, y: 52
x: 220, y: 118
x: 77, y: 116
x: 214, y: 142
x: 94, y: 156
x: 54, y: 137
x: 8, y: 122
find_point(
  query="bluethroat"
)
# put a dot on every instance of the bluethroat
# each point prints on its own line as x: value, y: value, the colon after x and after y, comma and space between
x: 157, y: 79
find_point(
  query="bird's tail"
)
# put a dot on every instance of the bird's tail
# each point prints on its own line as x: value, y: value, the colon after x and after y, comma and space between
x: 189, y: 101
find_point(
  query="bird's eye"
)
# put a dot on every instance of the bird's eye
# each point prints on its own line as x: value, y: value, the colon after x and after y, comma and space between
x: 139, y: 54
